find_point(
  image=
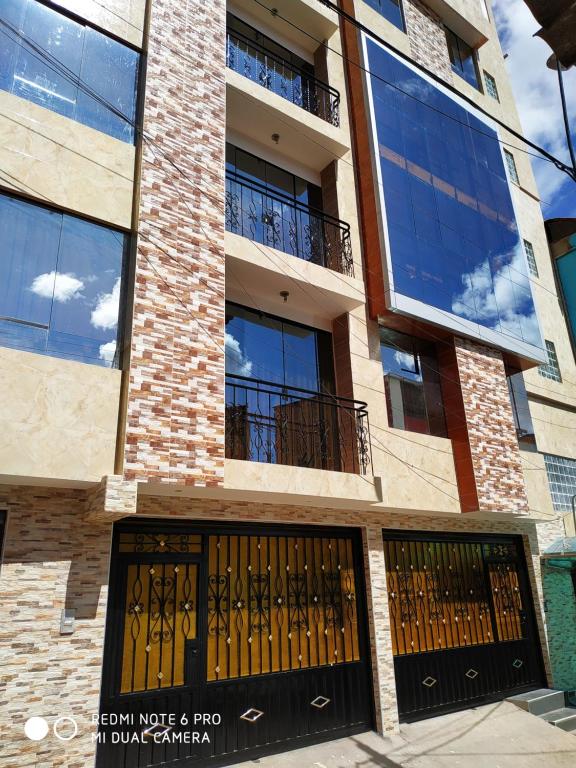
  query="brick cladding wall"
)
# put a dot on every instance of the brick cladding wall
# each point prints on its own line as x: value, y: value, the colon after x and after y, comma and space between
x: 427, y: 38
x: 175, y: 401
x: 492, y: 437
x: 51, y: 561
x: 372, y: 524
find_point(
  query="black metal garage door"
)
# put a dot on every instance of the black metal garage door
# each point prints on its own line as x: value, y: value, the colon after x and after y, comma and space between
x: 463, y: 625
x: 226, y: 640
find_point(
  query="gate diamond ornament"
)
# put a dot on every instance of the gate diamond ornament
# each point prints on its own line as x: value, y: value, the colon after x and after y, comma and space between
x: 517, y: 663
x: 251, y: 715
x: 429, y: 682
x: 320, y: 702
x: 471, y: 674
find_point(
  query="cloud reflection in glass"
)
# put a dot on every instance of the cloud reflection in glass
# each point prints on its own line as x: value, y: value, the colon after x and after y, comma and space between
x: 454, y: 244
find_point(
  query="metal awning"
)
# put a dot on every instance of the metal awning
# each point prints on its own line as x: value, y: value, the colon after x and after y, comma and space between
x: 558, y: 21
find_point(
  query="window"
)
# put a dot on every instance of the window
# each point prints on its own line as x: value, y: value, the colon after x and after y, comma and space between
x: 391, y: 10
x: 491, y: 88
x: 67, y: 67
x: 412, y: 383
x: 60, y: 283
x: 521, y: 410
x: 562, y: 481
x: 511, y: 165
x: 551, y: 369
x: 462, y: 58
x: 261, y: 346
x: 531, y: 258
x: 274, y: 179
x: 444, y: 192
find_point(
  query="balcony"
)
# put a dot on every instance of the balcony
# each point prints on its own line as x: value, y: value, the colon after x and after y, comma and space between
x: 270, y: 423
x: 280, y: 222
x: 258, y: 64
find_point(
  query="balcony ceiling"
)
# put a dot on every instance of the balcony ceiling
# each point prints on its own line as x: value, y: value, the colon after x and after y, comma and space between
x: 257, y: 113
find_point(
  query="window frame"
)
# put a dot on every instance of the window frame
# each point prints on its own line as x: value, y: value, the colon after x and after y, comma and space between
x: 491, y: 87
x: 127, y: 260
x: 436, y: 425
x: 530, y: 257
x: 135, y: 122
x: 459, y: 70
x: 551, y: 368
x: 325, y: 374
x: 373, y: 3
x: 511, y: 167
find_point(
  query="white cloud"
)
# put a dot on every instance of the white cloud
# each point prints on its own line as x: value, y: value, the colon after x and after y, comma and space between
x: 61, y: 286
x: 405, y: 360
x: 107, y: 351
x: 537, y: 96
x: 106, y: 313
x: 236, y: 362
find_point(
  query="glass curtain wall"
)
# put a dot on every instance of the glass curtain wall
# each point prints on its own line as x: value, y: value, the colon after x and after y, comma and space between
x: 67, y: 67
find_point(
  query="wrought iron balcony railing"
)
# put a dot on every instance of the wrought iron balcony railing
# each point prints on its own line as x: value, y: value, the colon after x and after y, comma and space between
x: 284, y: 223
x: 260, y: 65
x: 286, y: 425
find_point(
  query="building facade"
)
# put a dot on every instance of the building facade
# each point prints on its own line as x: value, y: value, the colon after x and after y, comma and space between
x: 289, y: 404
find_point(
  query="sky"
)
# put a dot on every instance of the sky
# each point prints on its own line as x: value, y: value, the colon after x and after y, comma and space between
x: 538, y: 99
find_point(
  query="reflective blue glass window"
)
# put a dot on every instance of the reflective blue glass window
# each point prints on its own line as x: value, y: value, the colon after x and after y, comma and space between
x: 261, y: 346
x: 454, y: 242
x: 462, y: 58
x: 60, y: 283
x: 67, y: 67
x: 391, y: 10
x: 264, y: 61
x: 412, y: 384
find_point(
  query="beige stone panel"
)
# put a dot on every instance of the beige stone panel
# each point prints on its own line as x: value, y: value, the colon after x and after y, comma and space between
x: 317, y: 21
x: 555, y: 429
x: 58, y: 419
x: 123, y: 18
x: 290, y: 485
x: 536, y: 484
x: 60, y: 161
x: 256, y: 273
x: 417, y: 471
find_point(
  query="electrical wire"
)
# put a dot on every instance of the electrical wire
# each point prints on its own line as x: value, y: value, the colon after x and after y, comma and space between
x: 124, y: 117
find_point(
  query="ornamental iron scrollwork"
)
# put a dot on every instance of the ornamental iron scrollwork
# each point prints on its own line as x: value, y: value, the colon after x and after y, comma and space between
x: 255, y: 61
x: 269, y: 423
x: 437, y: 595
x: 160, y: 615
x: 292, y: 605
x: 283, y: 222
x: 159, y: 542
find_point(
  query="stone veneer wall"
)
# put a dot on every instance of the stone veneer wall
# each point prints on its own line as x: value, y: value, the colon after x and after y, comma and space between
x: 371, y: 523
x: 495, y: 454
x: 52, y: 560
x: 427, y: 38
x: 175, y: 400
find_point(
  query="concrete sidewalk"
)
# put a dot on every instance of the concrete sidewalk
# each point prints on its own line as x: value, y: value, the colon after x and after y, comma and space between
x: 493, y: 736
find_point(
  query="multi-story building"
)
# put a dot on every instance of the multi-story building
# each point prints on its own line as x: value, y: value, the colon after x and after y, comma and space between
x: 283, y: 371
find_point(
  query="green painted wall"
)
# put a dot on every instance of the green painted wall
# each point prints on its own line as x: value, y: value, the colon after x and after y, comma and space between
x: 561, y: 621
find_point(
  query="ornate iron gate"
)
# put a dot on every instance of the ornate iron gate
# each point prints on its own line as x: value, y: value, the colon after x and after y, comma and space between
x: 262, y: 628
x: 463, y: 628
